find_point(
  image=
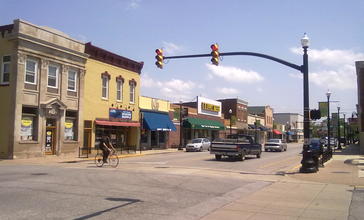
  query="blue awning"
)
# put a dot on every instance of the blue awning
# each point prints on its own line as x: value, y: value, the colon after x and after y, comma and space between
x: 156, y: 121
x: 289, y: 133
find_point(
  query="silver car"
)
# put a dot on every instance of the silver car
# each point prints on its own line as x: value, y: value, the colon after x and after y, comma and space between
x: 198, y: 144
x: 275, y: 145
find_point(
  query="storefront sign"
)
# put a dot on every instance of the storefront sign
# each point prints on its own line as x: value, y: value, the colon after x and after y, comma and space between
x: 118, y: 113
x: 68, y: 124
x: 155, y: 104
x: 26, y: 121
x: 208, y: 107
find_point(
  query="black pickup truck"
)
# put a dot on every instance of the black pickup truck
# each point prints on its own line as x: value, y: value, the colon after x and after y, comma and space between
x: 235, y: 145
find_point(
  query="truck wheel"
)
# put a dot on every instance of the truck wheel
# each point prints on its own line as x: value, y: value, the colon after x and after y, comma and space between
x: 217, y: 157
x: 258, y: 155
x: 242, y: 157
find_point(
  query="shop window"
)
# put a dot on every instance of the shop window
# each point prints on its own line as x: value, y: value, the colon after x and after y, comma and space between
x: 5, y: 70
x: 72, y: 80
x: 31, y: 69
x: 29, y: 124
x: 70, y: 126
x: 144, y: 136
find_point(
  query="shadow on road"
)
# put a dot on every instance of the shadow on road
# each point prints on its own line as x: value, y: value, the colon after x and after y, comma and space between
x: 128, y: 202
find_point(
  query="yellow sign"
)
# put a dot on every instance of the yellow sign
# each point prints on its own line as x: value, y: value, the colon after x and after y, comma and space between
x: 26, y: 122
x: 210, y: 107
x: 68, y: 124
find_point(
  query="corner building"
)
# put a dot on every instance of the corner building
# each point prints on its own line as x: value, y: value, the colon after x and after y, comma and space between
x: 41, y: 89
x: 111, y: 100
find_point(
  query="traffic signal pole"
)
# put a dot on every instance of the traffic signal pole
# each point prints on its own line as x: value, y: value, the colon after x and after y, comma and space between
x: 308, y: 164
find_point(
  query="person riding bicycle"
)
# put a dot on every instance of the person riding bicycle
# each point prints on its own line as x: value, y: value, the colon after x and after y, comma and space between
x: 105, y: 148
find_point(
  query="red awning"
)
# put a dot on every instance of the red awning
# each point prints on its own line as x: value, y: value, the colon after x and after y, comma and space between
x: 117, y: 123
x: 276, y: 131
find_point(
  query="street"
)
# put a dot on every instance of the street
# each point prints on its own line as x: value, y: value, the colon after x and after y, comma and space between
x: 176, y: 185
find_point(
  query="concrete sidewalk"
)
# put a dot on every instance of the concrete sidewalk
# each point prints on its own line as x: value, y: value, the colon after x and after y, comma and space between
x: 327, y: 194
x: 74, y: 158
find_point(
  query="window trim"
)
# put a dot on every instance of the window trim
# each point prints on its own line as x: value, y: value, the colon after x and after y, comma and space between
x: 107, y: 86
x: 35, y: 71
x: 2, y: 69
x: 68, y: 74
x: 57, y: 76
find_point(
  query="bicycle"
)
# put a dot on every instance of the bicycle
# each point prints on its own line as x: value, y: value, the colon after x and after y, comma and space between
x: 112, y: 159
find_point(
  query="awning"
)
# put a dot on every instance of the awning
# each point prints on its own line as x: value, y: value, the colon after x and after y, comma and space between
x: 275, y: 131
x: 289, y: 133
x: 155, y: 121
x: 117, y: 123
x: 199, y: 123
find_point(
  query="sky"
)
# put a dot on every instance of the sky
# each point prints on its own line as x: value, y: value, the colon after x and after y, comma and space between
x: 135, y: 28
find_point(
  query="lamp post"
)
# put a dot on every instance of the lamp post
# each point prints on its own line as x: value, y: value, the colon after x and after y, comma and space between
x: 230, y: 113
x: 345, y: 132
x: 328, y: 93
x: 308, y: 164
x: 338, y: 129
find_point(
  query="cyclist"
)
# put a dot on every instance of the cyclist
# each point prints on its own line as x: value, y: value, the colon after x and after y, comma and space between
x: 105, y: 148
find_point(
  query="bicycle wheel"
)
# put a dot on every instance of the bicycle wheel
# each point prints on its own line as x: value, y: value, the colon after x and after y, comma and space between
x: 99, y: 160
x: 113, y: 160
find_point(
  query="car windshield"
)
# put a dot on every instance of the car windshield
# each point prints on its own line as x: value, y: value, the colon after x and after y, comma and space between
x: 274, y: 140
x: 194, y: 141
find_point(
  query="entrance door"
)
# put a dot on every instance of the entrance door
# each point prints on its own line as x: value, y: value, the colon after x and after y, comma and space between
x: 50, y: 141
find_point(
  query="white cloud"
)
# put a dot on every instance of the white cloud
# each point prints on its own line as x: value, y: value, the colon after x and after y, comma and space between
x: 171, y: 48
x: 234, y: 74
x: 332, y: 68
x: 174, y: 88
x: 228, y: 91
x: 134, y: 4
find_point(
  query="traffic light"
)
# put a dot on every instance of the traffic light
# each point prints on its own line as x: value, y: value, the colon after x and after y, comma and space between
x: 159, y: 58
x: 215, y: 54
x: 315, y: 114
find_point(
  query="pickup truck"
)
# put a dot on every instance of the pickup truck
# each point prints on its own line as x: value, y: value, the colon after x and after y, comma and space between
x: 237, y: 146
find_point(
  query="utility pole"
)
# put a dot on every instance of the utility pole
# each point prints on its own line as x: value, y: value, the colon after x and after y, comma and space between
x: 338, y: 129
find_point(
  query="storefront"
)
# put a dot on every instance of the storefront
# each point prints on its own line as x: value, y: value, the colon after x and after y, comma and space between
x: 201, y: 128
x: 155, y: 129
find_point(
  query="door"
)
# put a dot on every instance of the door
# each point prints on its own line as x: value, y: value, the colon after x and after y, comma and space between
x: 50, y: 137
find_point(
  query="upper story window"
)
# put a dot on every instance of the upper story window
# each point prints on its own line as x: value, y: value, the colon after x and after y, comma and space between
x: 31, y: 70
x: 105, y: 87
x: 119, y: 90
x: 5, y: 70
x: 72, y: 80
x: 53, y: 76
x: 132, y: 85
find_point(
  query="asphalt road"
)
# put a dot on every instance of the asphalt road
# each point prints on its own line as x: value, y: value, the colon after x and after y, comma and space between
x: 177, y: 185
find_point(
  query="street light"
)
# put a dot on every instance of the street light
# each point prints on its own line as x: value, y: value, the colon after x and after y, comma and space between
x: 230, y: 112
x: 180, y: 147
x: 308, y: 164
x: 328, y: 94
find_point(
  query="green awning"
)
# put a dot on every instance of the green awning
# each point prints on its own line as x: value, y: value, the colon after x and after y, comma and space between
x: 199, y: 123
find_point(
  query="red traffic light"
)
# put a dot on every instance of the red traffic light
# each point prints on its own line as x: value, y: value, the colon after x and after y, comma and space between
x: 159, y: 51
x: 214, y: 47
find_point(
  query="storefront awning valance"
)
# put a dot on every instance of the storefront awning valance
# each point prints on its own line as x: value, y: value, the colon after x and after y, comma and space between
x: 117, y: 123
x: 155, y: 121
x: 275, y: 131
x: 199, y: 123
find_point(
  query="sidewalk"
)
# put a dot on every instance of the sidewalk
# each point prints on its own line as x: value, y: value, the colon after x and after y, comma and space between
x: 327, y: 194
x: 73, y: 158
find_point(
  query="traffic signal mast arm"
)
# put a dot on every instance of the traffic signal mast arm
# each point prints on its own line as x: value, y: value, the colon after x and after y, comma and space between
x: 294, y: 66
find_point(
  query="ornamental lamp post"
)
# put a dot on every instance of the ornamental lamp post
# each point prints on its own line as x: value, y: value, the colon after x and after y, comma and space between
x: 230, y: 112
x: 180, y: 147
x: 338, y: 129
x: 328, y: 94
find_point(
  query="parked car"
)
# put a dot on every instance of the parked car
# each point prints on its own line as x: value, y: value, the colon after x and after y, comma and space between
x: 333, y: 141
x: 198, y: 144
x: 275, y: 145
